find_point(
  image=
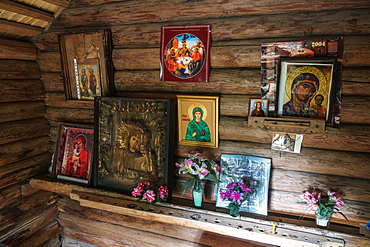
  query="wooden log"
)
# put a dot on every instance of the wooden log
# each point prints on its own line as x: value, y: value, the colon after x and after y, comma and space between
x: 38, y: 230
x: 24, y: 210
x: 248, y: 25
x: 50, y: 61
x: 233, y: 6
x: 53, y: 82
x: 281, y: 201
x: 19, y: 29
x: 72, y: 115
x: 12, y: 152
x: 25, y: 169
x: 356, y: 75
x: 348, y: 138
x: 117, y: 234
x: 26, y: 10
x: 348, y: 106
x: 27, y: 129
x: 48, y: 236
x: 19, y: 69
x: 9, y: 195
x: 21, y: 87
x: 21, y: 110
x: 17, y: 50
x: 58, y: 100
x: 202, y: 237
x: 311, y: 160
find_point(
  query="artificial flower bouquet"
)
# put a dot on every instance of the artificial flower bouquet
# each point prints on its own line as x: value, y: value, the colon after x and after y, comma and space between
x: 236, y: 193
x: 198, y: 168
x: 323, y: 205
x: 150, y: 193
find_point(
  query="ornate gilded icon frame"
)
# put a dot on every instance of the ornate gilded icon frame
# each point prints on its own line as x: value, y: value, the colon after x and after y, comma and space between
x: 132, y: 142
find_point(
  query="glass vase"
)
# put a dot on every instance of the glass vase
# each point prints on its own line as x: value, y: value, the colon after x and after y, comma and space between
x: 198, y: 194
x: 322, y: 221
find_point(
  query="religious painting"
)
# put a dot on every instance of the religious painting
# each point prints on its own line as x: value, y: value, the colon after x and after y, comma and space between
x: 73, y: 157
x: 87, y: 64
x: 185, y: 53
x: 88, y: 80
x: 306, y: 88
x: 198, y: 120
x: 272, y: 53
x: 132, y: 142
x: 254, y: 173
x: 287, y: 142
x: 258, y: 108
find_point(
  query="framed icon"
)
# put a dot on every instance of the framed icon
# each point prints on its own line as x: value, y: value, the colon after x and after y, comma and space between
x: 198, y: 120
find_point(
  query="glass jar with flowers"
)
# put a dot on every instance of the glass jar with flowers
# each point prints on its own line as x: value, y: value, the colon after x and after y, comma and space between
x: 199, y: 169
x: 324, y: 205
x: 236, y: 193
x: 150, y: 193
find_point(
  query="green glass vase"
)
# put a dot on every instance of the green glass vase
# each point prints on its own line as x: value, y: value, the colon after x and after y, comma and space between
x: 198, y: 194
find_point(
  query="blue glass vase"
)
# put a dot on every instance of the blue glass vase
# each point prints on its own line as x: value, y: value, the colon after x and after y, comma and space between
x: 198, y: 194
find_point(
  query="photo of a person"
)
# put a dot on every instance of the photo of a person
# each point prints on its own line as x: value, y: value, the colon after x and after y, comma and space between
x: 258, y: 107
x: 89, y: 80
x: 198, y: 129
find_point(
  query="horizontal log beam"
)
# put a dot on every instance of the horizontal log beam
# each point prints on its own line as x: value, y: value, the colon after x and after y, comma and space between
x: 19, y: 29
x: 17, y: 50
x: 18, y: 90
x: 19, y: 69
x: 21, y: 110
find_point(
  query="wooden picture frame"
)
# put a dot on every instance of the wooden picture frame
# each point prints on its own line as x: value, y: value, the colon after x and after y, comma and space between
x: 252, y: 171
x: 258, y: 108
x: 307, y: 88
x: 132, y: 143
x: 185, y: 53
x: 73, y: 156
x: 87, y: 64
x: 198, y: 118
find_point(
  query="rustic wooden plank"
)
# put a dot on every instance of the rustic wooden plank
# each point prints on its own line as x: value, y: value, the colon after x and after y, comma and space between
x: 19, y: 69
x: 50, y: 61
x: 281, y: 201
x: 21, y: 110
x: 53, y: 82
x: 44, y: 229
x: 24, y: 210
x: 346, y: 163
x: 118, y: 234
x: 26, y: 10
x: 17, y: 50
x: 18, y: 90
x: 19, y: 29
x: 9, y: 195
x: 13, y: 152
x: 348, y: 138
x: 348, y: 106
x: 249, y: 26
x: 25, y: 169
x: 225, y: 81
x: 72, y: 115
x: 27, y: 129
x: 58, y: 100
x: 203, y: 237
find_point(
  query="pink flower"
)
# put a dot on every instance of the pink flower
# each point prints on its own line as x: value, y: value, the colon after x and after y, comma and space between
x: 163, y: 191
x: 137, y: 192
x: 149, y: 195
x: 236, y: 196
x: 203, y: 171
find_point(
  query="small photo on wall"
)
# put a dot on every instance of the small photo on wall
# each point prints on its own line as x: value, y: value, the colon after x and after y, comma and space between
x: 88, y: 81
x: 287, y: 142
x: 258, y: 107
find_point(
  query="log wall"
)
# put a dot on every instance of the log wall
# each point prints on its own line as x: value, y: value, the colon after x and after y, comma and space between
x: 338, y: 158
x: 26, y: 215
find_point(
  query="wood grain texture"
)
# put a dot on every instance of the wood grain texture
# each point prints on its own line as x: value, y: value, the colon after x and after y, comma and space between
x: 18, y: 90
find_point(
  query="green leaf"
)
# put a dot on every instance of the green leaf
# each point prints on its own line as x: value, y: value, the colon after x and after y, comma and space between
x: 188, y: 185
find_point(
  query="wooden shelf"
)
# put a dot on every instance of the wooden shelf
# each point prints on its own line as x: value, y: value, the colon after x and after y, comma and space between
x: 263, y: 231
